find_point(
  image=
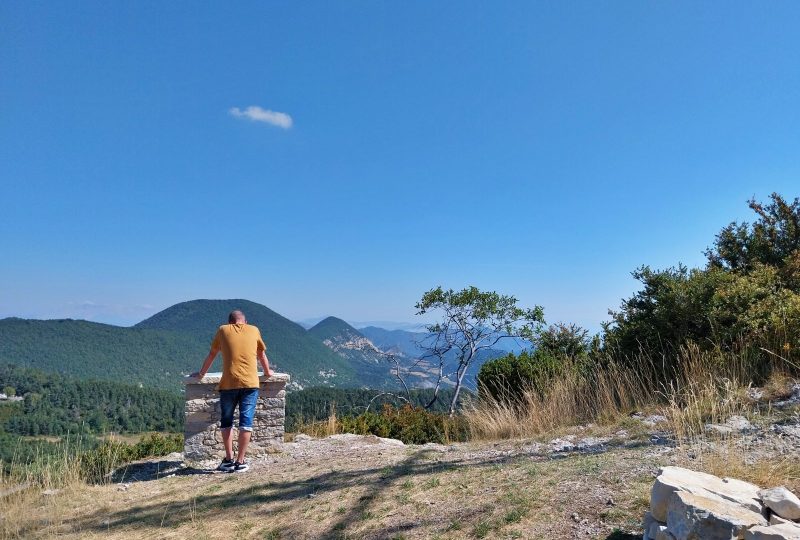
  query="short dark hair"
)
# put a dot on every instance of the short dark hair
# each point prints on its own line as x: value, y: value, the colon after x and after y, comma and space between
x: 235, y: 316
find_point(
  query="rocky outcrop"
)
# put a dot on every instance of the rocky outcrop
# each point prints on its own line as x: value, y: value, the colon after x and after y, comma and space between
x: 673, y: 479
x: 689, y: 505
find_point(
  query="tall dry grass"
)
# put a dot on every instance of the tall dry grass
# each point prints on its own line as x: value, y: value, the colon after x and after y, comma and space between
x: 31, y: 484
x: 707, y: 386
x: 322, y: 428
x: 600, y: 396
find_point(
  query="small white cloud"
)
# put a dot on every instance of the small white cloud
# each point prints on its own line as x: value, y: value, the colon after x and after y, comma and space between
x: 257, y: 114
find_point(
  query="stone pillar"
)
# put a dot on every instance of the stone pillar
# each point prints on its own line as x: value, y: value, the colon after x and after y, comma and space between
x: 202, y: 437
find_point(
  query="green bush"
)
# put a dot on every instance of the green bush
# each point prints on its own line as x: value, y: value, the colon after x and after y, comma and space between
x: 412, y: 425
x: 560, y: 349
x: 508, y: 377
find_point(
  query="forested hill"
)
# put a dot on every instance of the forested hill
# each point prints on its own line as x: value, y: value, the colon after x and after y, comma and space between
x: 361, y: 353
x: 289, y: 345
x: 160, y: 350
x: 334, y: 328
x: 100, y: 351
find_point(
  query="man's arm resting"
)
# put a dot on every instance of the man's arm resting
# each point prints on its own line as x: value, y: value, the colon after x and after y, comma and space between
x: 262, y: 357
x: 206, y: 364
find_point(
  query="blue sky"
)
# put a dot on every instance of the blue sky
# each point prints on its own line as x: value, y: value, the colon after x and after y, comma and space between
x: 344, y: 157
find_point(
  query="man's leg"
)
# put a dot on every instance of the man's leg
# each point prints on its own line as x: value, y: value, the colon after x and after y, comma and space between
x: 227, y: 403
x: 247, y: 410
x: 244, y: 440
x: 227, y: 440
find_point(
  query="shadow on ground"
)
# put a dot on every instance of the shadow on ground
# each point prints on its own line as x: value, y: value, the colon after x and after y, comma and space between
x: 150, y: 518
x: 147, y: 471
x: 619, y: 535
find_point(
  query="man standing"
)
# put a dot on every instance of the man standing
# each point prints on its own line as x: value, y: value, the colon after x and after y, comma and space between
x: 240, y: 344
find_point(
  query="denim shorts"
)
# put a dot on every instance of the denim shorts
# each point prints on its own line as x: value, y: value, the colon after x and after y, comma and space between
x: 246, y: 399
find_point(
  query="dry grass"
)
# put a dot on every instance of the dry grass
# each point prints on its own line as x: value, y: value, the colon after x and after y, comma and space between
x: 31, y: 485
x: 727, y: 457
x: 448, y: 496
x: 601, y: 396
x: 710, y: 387
x: 323, y: 428
x: 384, y: 494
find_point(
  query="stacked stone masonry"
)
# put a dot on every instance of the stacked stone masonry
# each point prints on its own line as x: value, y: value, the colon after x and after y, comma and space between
x: 202, y: 436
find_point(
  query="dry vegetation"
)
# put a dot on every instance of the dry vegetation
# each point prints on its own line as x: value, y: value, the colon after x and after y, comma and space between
x: 492, y: 487
x: 373, y: 493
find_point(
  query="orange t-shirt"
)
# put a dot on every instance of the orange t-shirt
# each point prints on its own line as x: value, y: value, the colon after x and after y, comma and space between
x: 240, y: 345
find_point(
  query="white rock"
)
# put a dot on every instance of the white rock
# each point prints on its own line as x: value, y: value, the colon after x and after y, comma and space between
x: 391, y: 442
x: 791, y: 431
x: 654, y: 419
x: 672, y: 479
x: 784, y: 531
x: 781, y: 501
x: 734, y: 424
x: 562, y: 445
x: 300, y: 437
x: 693, y: 517
x: 775, y: 519
x: 656, y: 528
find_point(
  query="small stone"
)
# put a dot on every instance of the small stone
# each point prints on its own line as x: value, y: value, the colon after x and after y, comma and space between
x: 791, y: 431
x: 784, y: 531
x: 654, y: 419
x: 656, y: 528
x: 575, y: 517
x: 734, y: 424
x: 781, y: 501
x: 562, y: 445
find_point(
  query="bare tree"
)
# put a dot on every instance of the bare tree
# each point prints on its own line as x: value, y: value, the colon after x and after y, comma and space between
x: 472, y: 322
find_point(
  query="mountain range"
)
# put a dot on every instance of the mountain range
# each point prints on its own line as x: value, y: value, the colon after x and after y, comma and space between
x: 159, y: 350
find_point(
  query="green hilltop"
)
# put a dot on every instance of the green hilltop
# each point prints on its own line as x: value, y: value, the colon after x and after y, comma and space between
x: 289, y: 346
x: 160, y: 350
x: 331, y: 327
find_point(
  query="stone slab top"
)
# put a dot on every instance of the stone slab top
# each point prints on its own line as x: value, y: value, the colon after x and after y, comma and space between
x: 214, y: 378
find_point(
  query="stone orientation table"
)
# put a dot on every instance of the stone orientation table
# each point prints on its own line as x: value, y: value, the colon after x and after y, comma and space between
x: 202, y: 436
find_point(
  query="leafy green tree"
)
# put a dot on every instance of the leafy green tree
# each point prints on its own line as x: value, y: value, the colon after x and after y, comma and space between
x: 671, y: 308
x: 771, y: 240
x: 747, y: 298
x: 472, y: 321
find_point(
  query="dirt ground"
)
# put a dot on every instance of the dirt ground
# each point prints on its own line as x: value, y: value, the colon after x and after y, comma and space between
x: 365, y: 487
x: 581, y: 484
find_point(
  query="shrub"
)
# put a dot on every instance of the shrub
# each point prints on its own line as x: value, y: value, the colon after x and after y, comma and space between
x: 412, y: 425
x: 560, y: 350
